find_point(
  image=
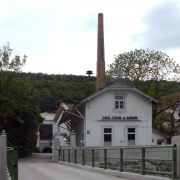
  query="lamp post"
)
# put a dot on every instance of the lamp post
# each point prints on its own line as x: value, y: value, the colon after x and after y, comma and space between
x: 89, y: 73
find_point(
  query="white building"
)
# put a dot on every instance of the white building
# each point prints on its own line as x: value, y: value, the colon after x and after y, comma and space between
x: 45, y: 135
x: 118, y: 115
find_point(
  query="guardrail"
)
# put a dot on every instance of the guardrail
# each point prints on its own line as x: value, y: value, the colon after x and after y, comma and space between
x: 79, y: 156
x: 12, y: 162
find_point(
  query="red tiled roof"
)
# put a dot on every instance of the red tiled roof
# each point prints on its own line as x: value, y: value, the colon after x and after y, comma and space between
x: 69, y: 105
x: 60, y: 111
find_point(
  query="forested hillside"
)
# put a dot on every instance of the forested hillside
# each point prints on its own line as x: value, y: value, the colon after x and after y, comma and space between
x: 53, y: 88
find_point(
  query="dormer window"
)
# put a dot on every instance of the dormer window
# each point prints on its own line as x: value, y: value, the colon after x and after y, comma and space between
x: 119, y: 102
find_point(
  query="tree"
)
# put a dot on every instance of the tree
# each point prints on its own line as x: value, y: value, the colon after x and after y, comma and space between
x: 10, y: 65
x: 165, y: 120
x: 152, y: 72
x: 19, y: 104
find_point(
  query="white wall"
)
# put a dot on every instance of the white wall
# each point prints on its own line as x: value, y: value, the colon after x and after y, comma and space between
x: 79, y: 130
x: 103, y: 104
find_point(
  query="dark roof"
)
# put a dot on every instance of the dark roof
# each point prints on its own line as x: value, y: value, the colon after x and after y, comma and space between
x: 119, y: 85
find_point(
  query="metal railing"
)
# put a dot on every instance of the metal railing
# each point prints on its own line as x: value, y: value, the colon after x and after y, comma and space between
x: 79, y: 156
x: 12, y: 162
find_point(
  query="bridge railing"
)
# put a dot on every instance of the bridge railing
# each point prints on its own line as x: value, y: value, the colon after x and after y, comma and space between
x: 12, y: 162
x: 90, y: 156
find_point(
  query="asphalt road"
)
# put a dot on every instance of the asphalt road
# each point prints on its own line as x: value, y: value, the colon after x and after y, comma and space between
x: 40, y: 167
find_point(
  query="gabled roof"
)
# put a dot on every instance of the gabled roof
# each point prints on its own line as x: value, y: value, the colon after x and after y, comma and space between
x: 118, y: 85
x: 63, y: 107
x: 66, y: 117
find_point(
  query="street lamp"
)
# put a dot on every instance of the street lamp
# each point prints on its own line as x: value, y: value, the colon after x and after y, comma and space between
x: 89, y: 73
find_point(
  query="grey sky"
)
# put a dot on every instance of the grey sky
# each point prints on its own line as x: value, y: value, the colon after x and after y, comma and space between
x: 162, y: 27
x: 60, y: 36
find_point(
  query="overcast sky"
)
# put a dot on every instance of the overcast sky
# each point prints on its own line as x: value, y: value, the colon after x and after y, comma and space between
x: 60, y: 36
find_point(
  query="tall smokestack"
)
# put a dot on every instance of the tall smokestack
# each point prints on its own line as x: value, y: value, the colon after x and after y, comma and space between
x: 100, y: 51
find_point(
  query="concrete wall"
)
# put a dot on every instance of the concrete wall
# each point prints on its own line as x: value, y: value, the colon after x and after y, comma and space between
x: 103, y: 105
x: 3, y: 157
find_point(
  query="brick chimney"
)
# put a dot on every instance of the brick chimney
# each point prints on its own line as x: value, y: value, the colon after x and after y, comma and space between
x: 100, y: 51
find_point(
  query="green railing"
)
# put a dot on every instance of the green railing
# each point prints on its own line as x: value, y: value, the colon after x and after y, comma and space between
x: 12, y: 162
x: 88, y: 156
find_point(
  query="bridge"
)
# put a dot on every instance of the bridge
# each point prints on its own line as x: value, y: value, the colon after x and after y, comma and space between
x: 41, y: 167
x: 80, y: 163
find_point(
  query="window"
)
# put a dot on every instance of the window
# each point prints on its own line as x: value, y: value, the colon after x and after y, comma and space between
x: 46, y: 132
x: 131, y: 136
x: 119, y: 102
x: 107, y: 136
x: 160, y: 141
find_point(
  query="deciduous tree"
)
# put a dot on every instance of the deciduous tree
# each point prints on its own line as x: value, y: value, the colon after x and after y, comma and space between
x: 19, y: 105
x: 152, y: 72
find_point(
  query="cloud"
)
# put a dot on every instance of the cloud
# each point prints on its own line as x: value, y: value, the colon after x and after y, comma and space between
x: 162, y: 27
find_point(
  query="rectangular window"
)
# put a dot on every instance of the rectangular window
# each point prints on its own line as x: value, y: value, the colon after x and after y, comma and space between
x: 131, y: 136
x: 107, y: 136
x: 46, y: 132
x: 119, y: 102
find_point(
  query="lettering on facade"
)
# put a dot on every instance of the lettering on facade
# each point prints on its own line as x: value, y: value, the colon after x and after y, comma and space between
x: 120, y: 117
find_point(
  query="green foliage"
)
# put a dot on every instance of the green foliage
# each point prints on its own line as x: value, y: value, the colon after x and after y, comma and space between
x: 10, y: 65
x: 19, y: 104
x: 141, y: 65
x: 166, y: 124
x: 152, y: 72
x: 53, y: 88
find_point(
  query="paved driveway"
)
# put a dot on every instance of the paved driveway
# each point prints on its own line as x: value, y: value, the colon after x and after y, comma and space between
x: 40, y: 167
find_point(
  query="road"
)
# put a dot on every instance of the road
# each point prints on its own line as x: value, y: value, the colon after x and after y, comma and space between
x: 40, y: 167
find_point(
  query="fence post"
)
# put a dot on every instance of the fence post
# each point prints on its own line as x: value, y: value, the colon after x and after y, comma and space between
x: 59, y: 154
x: 15, y: 160
x: 143, y: 161
x: 75, y: 156
x: 105, y: 158
x: 63, y: 154
x: 68, y: 155
x: 121, y: 160
x: 176, y: 140
x: 174, y: 176
x: 3, y: 155
x: 83, y: 157
x: 92, y: 157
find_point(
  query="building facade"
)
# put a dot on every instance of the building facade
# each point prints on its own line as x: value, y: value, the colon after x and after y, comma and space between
x: 45, y: 134
x: 118, y: 115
